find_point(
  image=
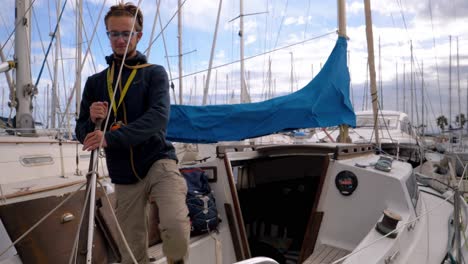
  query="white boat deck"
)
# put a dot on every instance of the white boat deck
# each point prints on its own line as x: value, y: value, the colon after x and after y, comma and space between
x: 326, y: 254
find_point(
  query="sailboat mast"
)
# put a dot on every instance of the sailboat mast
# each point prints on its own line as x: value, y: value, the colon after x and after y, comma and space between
x: 450, y: 82
x: 412, y: 85
x: 422, y: 98
x: 54, y: 101
x: 207, y: 83
x: 370, y: 50
x: 397, y: 88
x: 79, y: 47
x: 179, y: 36
x: 24, y: 85
x: 404, y: 87
x: 344, y: 131
x: 380, y: 75
x: 459, y: 87
x: 245, y: 98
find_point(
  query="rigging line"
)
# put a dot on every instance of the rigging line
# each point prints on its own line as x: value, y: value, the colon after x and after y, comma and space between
x: 282, y: 22
x: 17, y: 24
x: 260, y: 54
x: 4, y: 23
x: 433, y: 113
x: 74, y: 253
x: 119, y: 229
x: 165, y: 51
x: 153, y: 28
x: 264, y: 64
x: 84, y: 61
x: 175, y: 13
x: 403, y: 225
x: 435, y: 53
x: 41, y: 220
x: 92, y: 22
x: 50, y: 43
x: 403, y: 16
x: 59, y: 39
x: 42, y: 43
x: 89, y: 41
x: 407, y: 32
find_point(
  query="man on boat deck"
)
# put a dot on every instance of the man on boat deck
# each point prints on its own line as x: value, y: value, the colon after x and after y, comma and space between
x: 141, y: 162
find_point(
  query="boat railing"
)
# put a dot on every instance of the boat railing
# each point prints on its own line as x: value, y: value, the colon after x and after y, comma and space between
x: 27, y: 132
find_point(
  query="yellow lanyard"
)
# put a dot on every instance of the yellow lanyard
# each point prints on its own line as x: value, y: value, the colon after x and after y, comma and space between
x: 110, y: 77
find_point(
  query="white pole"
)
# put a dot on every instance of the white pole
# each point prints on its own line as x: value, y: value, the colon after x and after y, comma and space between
x: 344, y: 132
x: 79, y: 40
x: 24, y: 86
x: 179, y: 28
x: 207, y: 83
x: 148, y: 52
x: 370, y: 50
x: 245, y: 98
x: 92, y: 199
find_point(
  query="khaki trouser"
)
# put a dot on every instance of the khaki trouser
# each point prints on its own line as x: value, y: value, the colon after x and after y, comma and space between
x: 165, y: 185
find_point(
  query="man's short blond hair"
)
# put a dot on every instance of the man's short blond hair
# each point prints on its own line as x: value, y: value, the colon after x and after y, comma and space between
x: 127, y: 9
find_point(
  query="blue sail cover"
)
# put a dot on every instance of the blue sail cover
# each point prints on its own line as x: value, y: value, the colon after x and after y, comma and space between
x: 323, y: 102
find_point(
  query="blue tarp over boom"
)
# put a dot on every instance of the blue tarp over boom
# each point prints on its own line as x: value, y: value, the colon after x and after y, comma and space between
x: 323, y: 102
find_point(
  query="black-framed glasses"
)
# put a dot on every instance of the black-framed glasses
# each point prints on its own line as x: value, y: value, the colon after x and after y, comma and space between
x: 114, y: 35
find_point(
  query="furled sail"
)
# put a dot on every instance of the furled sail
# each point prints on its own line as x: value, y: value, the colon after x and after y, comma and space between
x: 323, y: 102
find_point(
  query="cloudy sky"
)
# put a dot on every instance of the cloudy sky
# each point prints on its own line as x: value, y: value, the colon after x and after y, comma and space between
x: 301, y: 31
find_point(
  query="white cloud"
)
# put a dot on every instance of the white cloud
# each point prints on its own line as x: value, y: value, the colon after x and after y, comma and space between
x: 250, y: 40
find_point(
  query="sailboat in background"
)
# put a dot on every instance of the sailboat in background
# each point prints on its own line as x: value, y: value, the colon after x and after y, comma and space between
x: 41, y: 168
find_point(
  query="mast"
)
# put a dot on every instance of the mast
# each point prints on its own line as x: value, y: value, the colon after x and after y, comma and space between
x: 412, y: 84
x: 24, y: 86
x: 207, y: 83
x: 270, y: 80
x: 342, y: 33
x: 292, y: 73
x: 450, y: 82
x: 397, y: 89
x: 79, y: 41
x: 227, y: 89
x: 245, y: 98
x: 404, y: 88
x: 380, y: 75
x: 458, y: 86
x: 460, y: 121
x: 179, y: 36
x: 370, y: 50
x: 422, y: 98
x: 55, y: 80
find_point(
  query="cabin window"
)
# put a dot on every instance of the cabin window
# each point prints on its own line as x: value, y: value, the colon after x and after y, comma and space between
x: 385, y: 122
x: 413, y: 190
x: 36, y: 160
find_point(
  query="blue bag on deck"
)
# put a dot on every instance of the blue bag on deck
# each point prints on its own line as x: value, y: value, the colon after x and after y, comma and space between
x: 200, y: 201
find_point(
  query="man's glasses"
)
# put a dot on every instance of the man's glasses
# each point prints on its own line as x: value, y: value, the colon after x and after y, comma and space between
x: 114, y: 35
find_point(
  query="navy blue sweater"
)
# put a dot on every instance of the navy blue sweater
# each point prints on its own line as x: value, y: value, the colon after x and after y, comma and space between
x: 147, y: 107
